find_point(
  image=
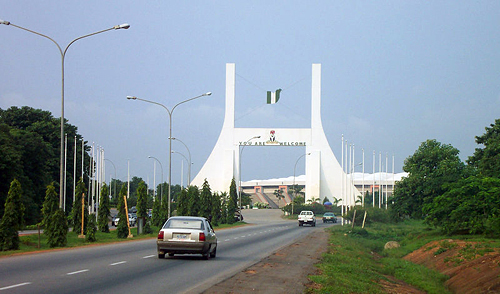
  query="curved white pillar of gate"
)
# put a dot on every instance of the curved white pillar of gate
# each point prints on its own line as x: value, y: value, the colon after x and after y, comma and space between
x: 323, y: 172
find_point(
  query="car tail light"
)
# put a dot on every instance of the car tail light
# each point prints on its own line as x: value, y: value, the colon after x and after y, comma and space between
x: 201, y: 237
x: 160, y: 235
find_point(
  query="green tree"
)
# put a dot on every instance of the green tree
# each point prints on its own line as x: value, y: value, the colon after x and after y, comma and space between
x: 157, y: 213
x: 232, y: 204
x: 487, y: 160
x: 279, y: 194
x: 194, y: 201
x: 58, y: 229
x: 50, y: 206
x: 142, y: 200
x: 206, y: 201
x: 216, y: 209
x: 54, y: 219
x: 122, y: 227
x: 429, y: 169
x: 90, y: 233
x: 471, y: 205
x: 29, y: 144
x: 76, y: 211
x: 104, y: 210
x: 12, y: 219
x: 182, y: 203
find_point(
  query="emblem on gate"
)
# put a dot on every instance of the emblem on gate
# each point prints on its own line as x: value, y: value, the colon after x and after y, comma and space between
x: 272, y: 138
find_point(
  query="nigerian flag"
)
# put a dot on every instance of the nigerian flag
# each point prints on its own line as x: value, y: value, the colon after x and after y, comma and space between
x: 273, y: 97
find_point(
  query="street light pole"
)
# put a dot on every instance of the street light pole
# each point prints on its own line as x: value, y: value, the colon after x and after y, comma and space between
x: 239, y: 170
x: 161, y: 186
x: 294, y: 188
x: 170, y: 112
x: 184, y: 158
x: 190, y: 163
x: 115, y: 175
x: 63, y: 55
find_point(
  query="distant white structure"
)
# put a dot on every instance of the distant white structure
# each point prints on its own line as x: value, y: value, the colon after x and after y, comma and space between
x: 324, y: 176
x: 379, y: 183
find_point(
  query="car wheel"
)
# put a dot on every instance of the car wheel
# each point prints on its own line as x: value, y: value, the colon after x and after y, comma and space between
x: 213, y: 253
x: 206, y: 255
x: 161, y: 255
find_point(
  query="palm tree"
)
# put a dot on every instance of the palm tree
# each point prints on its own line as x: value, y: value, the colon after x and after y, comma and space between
x: 279, y: 194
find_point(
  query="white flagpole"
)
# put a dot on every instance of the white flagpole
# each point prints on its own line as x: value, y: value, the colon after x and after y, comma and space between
x: 83, y: 157
x: 154, y: 180
x: 74, y: 172
x: 128, y: 180
x: 386, y: 186
x: 343, y: 179
x: 363, y: 178
x: 373, y: 179
x: 393, y: 183
x: 380, y: 180
x: 65, y: 168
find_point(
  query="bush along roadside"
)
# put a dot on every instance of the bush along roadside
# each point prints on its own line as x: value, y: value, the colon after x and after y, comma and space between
x: 356, y: 261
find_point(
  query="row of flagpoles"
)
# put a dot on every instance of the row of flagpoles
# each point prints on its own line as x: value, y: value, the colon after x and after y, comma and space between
x: 349, y: 192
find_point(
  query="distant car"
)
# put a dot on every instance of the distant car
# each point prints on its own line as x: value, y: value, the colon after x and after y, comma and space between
x: 114, y: 220
x: 187, y: 235
x: 307, y: 217
x: 133, y: 209
x: 132, y: 219
x: 238, y: 216
x: 329, y: 217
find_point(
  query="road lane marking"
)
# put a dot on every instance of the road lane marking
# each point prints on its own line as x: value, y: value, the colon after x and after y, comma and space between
x: 77, y: 272
x: 117, y: 263
x: 149, y: 256
x: 14, y: 286
x: 227, y: 240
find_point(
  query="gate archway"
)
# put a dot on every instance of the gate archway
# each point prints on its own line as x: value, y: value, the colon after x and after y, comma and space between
x: 324, y: 175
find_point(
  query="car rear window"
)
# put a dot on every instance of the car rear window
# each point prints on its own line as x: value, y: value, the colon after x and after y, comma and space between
x: 185, y: 224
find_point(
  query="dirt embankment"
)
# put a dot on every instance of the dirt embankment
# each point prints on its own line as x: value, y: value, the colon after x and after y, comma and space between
x: 472, y: 267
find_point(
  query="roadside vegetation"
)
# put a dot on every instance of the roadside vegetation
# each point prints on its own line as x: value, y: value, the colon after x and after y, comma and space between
x: 443, y: 200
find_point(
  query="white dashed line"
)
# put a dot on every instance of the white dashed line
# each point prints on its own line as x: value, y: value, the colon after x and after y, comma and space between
x: 149, y: 256
x: 14, y: 286
x: 77, y: 272
x: 117, y: 263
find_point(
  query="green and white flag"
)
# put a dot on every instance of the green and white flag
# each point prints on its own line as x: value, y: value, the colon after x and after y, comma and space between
x: 273, y: 97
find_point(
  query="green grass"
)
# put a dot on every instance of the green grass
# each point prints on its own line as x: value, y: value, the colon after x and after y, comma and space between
x: 356, y: 260
x: 29, y: 243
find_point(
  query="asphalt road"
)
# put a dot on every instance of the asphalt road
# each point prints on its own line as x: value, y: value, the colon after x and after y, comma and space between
x: 133, y: 267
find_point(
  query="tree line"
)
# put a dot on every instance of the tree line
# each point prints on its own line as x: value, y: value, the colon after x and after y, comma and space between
x: 458, y: 197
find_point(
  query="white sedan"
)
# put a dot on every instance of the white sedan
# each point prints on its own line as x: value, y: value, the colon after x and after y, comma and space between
x: 187, y: 235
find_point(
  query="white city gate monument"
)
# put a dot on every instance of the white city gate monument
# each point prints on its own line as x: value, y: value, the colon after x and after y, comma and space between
x: 324, y: 175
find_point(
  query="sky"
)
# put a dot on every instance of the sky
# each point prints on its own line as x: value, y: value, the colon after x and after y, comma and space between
x: 394, y: 74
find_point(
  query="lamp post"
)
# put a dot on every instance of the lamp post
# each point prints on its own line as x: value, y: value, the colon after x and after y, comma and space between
x: 184, y: 158
x: 161, y: 186
x: 239, y: 170
x: 294, y: 189
x: 63, y: 55
x: 170, y: 112
x: 115, y: 175
x: 189, y: 163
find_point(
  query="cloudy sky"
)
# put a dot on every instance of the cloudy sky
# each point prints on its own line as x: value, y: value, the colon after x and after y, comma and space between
x: 394, y: 74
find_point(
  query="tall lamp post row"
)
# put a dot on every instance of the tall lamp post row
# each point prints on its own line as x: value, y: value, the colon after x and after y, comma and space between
x: 189, y: 163
x: 170, y: 112
x: 63, y: 55
x: 161, y: 186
